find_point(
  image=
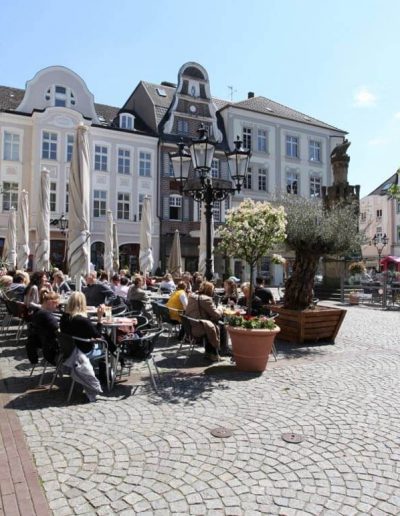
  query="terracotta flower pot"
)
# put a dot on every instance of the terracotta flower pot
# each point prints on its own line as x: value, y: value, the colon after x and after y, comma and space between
x: 251, y: 348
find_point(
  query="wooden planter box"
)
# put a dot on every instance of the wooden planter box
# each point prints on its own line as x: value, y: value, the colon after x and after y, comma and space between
x: 322, y: 323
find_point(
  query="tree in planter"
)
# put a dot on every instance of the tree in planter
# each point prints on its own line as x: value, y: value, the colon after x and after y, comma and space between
x: 250, y: 231
x: 314, y: 232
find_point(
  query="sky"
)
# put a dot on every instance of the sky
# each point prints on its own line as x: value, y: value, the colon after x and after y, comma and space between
x: 336, y: 61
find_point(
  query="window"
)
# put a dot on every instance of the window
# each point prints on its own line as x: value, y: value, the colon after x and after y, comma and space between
x: 314, y: 151
x: 10, y: 196
x: 141, y: 199
x: 379, y: 233
x: 315, y: 186
x: 398, y: 234
x: 53, y: 196
x: 60, y: 96
x: 144, y: 164
x: 292, y: 180
x: 215, y: 168
x: 363, y: 216
x: 175, y: 207
x: 378, y: 214
x: 247, y: 138
x: 126, y: 121
x: 99, y: 203
x: 70, y: 146
x: 100, y: 158
x: 11, y: 147
x: 217, y: 212
x: 247, y: 180
x: 67, y: 198
x: 262, y: 179
x: 123, y: 206
x: 124, y: 161
x: 262, y: 141
x: 49, y: 145
x: 183, y: 127
x: 292, y: 146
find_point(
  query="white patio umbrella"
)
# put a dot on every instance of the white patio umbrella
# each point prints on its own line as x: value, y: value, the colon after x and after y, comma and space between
x: 175, y: 256
x: 10, y: 244
x: 146, y: 260
x: 203, y: 240
x: 79, y: 208
x: 43, y: 223
x: 23, y: 231
x: 115, y: 248
x: 108, y: 244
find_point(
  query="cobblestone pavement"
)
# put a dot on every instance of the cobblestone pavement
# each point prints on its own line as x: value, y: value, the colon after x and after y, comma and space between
x: 139, y: 452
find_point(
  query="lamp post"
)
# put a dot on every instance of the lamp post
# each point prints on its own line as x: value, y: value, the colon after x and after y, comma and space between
x: 203, y: 187
x: 61, y: 223
x: 380, y: 242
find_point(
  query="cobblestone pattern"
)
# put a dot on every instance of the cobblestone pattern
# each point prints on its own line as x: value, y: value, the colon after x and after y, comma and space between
x: 154, y: 454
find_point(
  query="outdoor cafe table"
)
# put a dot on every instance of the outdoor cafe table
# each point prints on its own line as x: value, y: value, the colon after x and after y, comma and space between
x: 113, y: 324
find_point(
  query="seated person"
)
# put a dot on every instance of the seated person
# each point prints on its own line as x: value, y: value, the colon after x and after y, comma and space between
x: 16, y: 290
x: 201, y: 306
x: 262, y: 292
x: 97, y: 293
x: 37, y: 282
x: 120, y: 286
x: 230, y: 295
x: 43, y: 328
x: 257, y: 307
x: 75, y: 321
x: 59, y: 283
x: 167, y: 284
x: 178, y: 301
x: 136, y: 291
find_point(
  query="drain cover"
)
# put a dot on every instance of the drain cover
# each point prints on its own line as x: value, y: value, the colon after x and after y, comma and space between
x: 221, y: 432
x: 293, y: 438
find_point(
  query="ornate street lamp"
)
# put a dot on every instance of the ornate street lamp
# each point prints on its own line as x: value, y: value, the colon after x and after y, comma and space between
x: 203, y: 187
x: 380, y: 242
x: 61, y: 223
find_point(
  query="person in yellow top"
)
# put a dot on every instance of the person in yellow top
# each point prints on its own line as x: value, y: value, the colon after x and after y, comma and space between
x: 178, y: 301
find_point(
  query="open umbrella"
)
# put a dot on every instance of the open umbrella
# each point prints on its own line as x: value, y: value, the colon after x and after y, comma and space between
x: 23, y: 231
x: 146, y: 260
x: 115, y: 248
x: 79, y: 208
x: 10, y: 244
x: 175, y: 256
x: 108, y: 244
x: 43, y: 224
x: 203, y: 241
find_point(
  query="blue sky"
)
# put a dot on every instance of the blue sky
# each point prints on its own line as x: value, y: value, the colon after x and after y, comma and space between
x: 336, y: 61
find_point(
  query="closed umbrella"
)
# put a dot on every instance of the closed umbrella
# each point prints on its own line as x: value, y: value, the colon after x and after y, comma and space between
x: 108, y: 244
x: 79, y: 208
x: 10, y: 244
x: 203, y: 241
x: 175, y: 256
x: 146, y: 260
x: 23, y: 231
x: 115, y: 248
x: 43, y: 224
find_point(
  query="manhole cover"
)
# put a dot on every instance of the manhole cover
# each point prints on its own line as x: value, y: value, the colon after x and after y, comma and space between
x: 293, y: 438
x: 221, y: 432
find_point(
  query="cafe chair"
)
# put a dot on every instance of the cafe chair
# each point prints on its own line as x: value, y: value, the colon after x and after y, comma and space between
x: 135, y: 306
x: 99, y: 353
x: 135, y: 350
x: 17, y: 311
x: 171, y: 325
x: 188, y: 338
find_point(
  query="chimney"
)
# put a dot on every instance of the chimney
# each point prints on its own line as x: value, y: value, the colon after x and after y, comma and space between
x: 250, y: 95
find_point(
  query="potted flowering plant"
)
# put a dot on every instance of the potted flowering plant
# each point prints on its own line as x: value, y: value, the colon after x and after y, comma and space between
x: 250, y: 231
x: 357, y: 268
x: 277, y: 259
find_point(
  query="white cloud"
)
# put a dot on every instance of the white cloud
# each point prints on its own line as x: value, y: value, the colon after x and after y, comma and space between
x: 397, y: 115
x: 363, y: 97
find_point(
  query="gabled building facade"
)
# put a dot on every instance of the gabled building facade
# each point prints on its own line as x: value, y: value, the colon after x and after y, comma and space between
x: 37, y: 130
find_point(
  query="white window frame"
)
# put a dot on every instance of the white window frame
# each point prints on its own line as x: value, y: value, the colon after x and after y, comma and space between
x: 14, y: 151
x: 315, y: 151
x: 126, y: 121
x: 63, y: 99
x: 262, y: 140
x: 175, y: 201
x: 99, y: 203
x: 182, y: 126
x: 53, y: 196
x: 66, y: 200
x: 10, y: 195
x: 144, y: 157
x: 379, y: 214
x: 263, y: 179
x: 69, y: 147
x: 215, y: 168
x: 103, y: 153
x: 247, y: 137
x: 292, y: 182
x: 121, y: 161
x: 248, y: 180
x: 52, y: 143
x: 123, y: 205
x: 292, y: 146
x: 315, y: 181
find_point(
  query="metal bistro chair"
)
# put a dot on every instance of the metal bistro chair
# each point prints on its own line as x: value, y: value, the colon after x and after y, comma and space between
x: 136, y: 350
x: 98, y: 353
x: 189, y: 338
x: 17, y: 311
x: 171, y: 325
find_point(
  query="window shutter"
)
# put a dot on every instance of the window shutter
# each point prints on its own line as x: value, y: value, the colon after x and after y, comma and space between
x: 186, y: 214
x: 165, y: 211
